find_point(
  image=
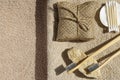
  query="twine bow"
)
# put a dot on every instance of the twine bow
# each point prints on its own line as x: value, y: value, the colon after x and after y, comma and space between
x: 81, y: 24
x: 76, y: 21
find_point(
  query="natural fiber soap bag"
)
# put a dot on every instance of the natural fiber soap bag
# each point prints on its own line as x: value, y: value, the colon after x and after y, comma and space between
x: 76, y: 22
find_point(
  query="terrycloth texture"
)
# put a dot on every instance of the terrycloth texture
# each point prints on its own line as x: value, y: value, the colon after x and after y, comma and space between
x: 17, y: 40
x: 76, y: 22
x: 23, y: 40
x: 57, y: 50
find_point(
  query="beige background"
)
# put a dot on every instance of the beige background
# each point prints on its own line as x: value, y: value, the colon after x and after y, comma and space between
x: 23, y: 40
x: 23, y: 48
x: 57, y: 50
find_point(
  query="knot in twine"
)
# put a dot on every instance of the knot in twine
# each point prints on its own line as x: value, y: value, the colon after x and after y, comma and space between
x: 78, y: 20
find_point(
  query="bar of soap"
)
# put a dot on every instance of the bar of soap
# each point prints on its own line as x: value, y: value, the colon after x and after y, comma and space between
x: 75, y: 55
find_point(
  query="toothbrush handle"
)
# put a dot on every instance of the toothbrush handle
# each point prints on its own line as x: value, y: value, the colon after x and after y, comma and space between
x: 96, y: 53
x: 116, y: 54
x: 115, y: 40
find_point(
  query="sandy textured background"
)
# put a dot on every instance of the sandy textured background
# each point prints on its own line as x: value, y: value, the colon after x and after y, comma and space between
x: 26, y: 43
x: 57, y: 50
x: 23, y: 40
